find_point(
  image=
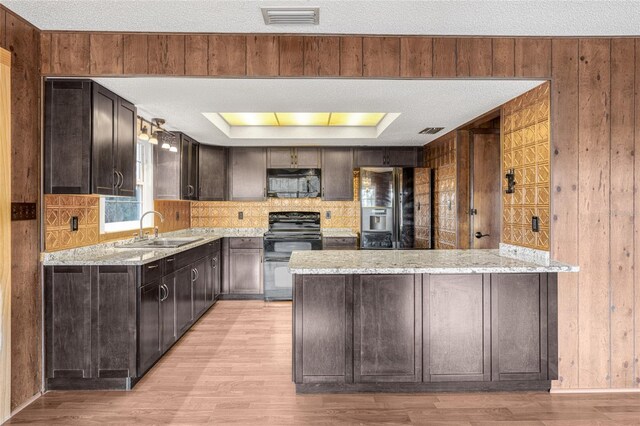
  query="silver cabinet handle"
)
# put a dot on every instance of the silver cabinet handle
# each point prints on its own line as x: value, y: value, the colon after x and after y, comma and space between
x: 117, y: 175
x: 167, y: 291
x: 197, y: 274
x: 193, y: 275
x: 169, y: 259
x: 164, y: 293
x: 152, y: 266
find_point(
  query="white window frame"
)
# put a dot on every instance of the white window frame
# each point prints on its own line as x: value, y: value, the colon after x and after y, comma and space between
x: 147, y: 196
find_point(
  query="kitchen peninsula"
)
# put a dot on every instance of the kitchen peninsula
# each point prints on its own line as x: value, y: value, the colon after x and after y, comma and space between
x: 416, y: 321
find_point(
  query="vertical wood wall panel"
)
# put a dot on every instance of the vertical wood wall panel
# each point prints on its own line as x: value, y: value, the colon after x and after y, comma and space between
x: 444, y: 57
x: 622, y: 211
x: 636, y: 227
x: 136, y: 48
x: 24, y: 42
x: 165, y: 54
x: 416, y: 57
x: 381, y: 56
x: 351, y: 56
x: 106, y: 54
x: 593, y: 212
x: 291, y: 56
x: 564, y: 195
x: 262, y: 56
x: 474, y: 58
x: 503, y: 54
x: 3, y: 27
x: 533, y: 57
x: 45, y: 53
x: 70, y: 53
x: 196, y: 55
x: 321, y: 56
x: 227, y: 55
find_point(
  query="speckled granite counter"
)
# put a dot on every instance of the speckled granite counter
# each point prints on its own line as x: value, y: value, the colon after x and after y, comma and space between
x: 116, y: 253
x: 415, y: 262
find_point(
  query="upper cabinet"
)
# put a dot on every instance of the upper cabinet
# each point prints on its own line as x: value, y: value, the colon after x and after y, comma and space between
x: 212, y: 173
x: 90, y: 140
x: 387, y: 157
x: 337, y: 174
x: 247, y: 174
x: 188, y: 167
x: 293, y: 158
x: 166, y: 171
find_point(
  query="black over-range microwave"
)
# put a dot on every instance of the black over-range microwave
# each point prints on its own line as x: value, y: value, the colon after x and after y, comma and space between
x: 293, y: 183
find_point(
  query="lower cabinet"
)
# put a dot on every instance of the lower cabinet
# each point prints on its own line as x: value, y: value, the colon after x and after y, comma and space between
x: 184, y: 299
x: 387, y: 334
x: 168, y: 333
x: 149, y: 344
x: 245, y: 271
x: 199, y: 283
x: 212, y: 268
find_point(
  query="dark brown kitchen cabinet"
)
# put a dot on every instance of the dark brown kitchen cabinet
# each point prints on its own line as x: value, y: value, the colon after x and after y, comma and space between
x: 184, y: 299
x: 188, y: 167
x: 293, y: 158
x: 168, y: 334
x: 456, y: 328
x: 245, y: 271
x: 90, y: 140
x: 339, y: 243
x: 337, y: 174
x: 213, y: 277
x: 387, y: 328
x: 322, y: 308
x: 387, y: 157
x: 247, y: 174
x: 90, y: 326
x: 199, y: 283
x: 212, y: 173
x: 149, y: 341
x: 519, y: 327
x: 166, y: 170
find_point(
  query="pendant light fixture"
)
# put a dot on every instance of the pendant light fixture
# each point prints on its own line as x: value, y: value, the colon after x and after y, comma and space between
x: 144, y: 133
x: 154, y: 138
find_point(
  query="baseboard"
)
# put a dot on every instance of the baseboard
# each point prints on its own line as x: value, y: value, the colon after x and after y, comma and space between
x: 25, y: 404
x: 577, y: 391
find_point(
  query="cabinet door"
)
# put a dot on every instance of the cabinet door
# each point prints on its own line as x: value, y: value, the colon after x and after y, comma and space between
x: 245, y: 275
x: 519, y: 326
x: 323, y: 329
x: 168, y: 312
x: 188, y: 166
x: 370, y: 157
x: 387, y: 328
x: 167, y: 174
x: 105, y: 112
x: 67, y: 137
x: 125, y: 162
x: 213, y: 278
x: 456, y: 328
x: 183, y: 292
x: 212, y: 173
x: 280, y: 158
x: 193, y: 169
x: 247, y: 174
x: 307, y: 158
x: 402, y: 157
x: 200, y: 288
x: 337, y: 174
x: 149, y: 349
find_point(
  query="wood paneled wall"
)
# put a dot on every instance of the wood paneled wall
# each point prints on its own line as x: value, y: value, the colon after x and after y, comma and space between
x: 595, y: 123
x: 23, y: 41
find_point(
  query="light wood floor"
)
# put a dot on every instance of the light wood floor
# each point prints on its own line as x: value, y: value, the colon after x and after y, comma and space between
x: 234, y: 366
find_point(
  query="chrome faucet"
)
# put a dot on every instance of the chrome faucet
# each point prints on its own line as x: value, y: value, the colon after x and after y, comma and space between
x: 141, y: 234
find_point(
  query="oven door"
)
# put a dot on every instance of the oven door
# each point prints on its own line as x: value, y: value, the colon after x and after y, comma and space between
x: 278, y: 282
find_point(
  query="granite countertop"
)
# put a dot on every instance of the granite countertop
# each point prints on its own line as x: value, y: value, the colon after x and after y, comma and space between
x: 116, y: 253
x: 339, y: 233
x: 415, y: 262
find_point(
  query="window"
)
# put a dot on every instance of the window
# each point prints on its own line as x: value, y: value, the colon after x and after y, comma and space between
x: 123, y: 213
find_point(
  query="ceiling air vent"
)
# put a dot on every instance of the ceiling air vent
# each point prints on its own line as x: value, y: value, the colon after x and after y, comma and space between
x: 430, y: 130
x: 291, y: 15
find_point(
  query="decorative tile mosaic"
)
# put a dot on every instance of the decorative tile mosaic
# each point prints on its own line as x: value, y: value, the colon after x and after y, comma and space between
x: 441, y: 156
x: 526, y: 149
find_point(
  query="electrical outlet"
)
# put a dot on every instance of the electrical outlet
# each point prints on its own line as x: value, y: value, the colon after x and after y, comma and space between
x: 327, y: 214
x: 74, y: 223
x: 535, y: 224
x: 240, y: 215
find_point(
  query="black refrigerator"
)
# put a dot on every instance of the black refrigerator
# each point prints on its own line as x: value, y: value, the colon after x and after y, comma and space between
x: 387, y: 208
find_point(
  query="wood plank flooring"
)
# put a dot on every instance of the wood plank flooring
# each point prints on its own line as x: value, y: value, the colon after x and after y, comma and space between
x: 234, y: 367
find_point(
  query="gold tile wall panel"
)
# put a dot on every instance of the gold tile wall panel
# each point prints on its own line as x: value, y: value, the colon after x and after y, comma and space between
x: 526, y: 141
x: 218, y: 214
x: 441, y: 157
x: 177, y: 215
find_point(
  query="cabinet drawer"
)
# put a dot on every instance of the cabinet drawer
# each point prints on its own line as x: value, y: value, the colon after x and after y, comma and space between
x: 246, y: 242
x: 152, y: 271
x: 170, y: 264
x: 339, y: 243
x: 213, y: 247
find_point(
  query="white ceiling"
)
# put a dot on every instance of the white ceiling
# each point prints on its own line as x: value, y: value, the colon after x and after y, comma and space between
x: 421, y: 103
x: 427, y: 17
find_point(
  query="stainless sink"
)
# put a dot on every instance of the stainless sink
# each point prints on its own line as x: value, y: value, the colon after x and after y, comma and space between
x: 162, y: 242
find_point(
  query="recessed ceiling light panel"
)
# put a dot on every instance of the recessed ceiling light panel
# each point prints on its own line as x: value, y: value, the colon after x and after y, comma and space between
x: 291, y: 15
